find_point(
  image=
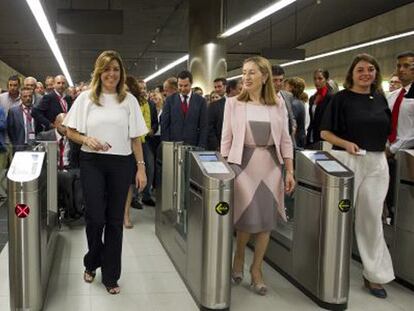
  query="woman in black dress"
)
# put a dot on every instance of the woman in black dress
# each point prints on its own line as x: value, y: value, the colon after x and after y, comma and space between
x: 317, y: 106
x: 357, y: 123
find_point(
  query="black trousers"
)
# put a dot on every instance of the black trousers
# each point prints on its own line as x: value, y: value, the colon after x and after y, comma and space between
x: 105, y: 181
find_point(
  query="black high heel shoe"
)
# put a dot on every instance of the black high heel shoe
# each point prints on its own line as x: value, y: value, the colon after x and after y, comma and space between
x: 89, y: 276
x: 377, y: 292
x: 113, y: 290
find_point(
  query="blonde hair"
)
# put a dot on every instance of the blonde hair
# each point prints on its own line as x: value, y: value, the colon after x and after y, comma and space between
x: 101, y: 64
x: 268, y: 91
x: 160, y: 97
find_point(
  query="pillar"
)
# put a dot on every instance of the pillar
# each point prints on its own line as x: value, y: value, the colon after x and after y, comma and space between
x: 207, y: 59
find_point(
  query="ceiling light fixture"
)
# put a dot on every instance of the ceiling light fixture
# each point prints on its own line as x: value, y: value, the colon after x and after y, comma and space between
x: 251, y: 20
x: 166, y: 68
x: 43, y: 23
x: 343, y: 50
x: 256, y: 17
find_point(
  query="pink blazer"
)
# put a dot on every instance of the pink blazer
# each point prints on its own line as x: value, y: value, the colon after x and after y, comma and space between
x: 234, y: 129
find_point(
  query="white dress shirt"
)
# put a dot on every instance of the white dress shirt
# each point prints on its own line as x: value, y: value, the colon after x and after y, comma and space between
x: 405, y: 126
x: 188, y: 98
x: 66, y: 148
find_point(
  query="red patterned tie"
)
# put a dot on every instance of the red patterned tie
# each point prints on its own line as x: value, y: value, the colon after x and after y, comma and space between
x: 184, y: 105
x: 394, y: 116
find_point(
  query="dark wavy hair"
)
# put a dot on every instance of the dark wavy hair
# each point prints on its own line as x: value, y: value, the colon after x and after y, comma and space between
x: 132, y: 84
x: 376, y: 85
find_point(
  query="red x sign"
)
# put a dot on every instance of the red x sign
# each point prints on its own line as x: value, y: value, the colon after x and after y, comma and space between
x: 22, y: 210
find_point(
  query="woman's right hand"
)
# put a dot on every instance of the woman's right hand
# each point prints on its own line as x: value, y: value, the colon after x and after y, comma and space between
x: 351, y: 147
x: 140, y: 179
x: 93, y: 143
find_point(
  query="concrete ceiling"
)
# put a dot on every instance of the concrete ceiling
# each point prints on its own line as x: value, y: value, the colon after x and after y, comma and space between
x: 155, y: 32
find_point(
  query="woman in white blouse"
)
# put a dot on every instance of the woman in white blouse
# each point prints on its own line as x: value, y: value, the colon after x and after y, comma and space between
x: 107, y: 122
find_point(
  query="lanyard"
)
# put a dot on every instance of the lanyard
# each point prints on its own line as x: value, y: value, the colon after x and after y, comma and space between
x: 28, y: 116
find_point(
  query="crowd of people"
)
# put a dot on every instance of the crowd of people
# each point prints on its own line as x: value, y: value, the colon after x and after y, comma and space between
x: 111, y: 128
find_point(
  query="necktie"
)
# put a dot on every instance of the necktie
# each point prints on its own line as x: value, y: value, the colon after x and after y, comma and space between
x: 63, y: 104
x: 61, y: 151
x: 29, y: 127
x: 394, y: 116
x: 184, y: 105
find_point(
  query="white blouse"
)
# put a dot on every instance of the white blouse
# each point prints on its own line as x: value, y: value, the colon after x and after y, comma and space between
x: 112, y: 123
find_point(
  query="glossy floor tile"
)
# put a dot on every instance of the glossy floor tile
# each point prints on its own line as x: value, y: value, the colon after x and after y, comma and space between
x: 149, y: 281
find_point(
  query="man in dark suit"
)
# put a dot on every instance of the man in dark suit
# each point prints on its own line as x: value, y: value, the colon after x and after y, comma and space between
x: 20, y: 123
x: 278, y: 78
x: 51, y: 105
x: 215, y: 123
x: 184, y: 116
x: 216, y: 112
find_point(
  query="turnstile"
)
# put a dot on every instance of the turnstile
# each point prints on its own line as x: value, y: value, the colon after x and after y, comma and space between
x: 313, y: 249
x: 399, y: 235
x: 32, y: 224
x: 403, y: 246
x: 194, y: 223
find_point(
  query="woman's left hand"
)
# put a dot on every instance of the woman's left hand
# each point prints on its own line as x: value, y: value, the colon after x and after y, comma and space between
x: 140, y: 179
x: 289, y: 183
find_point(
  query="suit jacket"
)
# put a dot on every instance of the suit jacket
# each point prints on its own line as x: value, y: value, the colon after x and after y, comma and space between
x: 74, y: 148
x: 192, y: 129
x: 299, y: 112
x: 152, y: 140
x: 46, y: 111
x: 313, y: 132
x: 16, y: 128
x: 215, y: 123
x: 3, y: 129
x: 288, y: 98
x: 234, y: 129
x: 37, y: 99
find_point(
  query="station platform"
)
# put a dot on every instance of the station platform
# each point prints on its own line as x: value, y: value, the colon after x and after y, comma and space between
x: 150, y: 282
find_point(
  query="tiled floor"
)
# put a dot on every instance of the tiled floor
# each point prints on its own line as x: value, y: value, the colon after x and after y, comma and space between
x: 3, y: 224
x: 149, y: 281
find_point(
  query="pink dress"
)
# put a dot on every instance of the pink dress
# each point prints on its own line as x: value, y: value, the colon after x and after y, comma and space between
x: 258, y: 183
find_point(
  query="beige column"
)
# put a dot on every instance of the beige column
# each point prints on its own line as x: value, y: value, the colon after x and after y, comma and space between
x: 207, y: 59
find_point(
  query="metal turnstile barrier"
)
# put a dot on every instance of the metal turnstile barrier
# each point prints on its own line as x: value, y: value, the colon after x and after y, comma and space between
x: 32, y: 224
x: 194, y: 221
x: 313, y: 249
x: 403, y: 248
x: 399, y: 235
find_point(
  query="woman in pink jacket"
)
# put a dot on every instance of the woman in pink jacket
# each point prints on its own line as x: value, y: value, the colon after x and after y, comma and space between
x: 255, y: 140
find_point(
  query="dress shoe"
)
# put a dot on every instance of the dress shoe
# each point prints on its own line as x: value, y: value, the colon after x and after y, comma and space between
x: 136, y: 204
x: 149, y: 202
x: 375, y: 291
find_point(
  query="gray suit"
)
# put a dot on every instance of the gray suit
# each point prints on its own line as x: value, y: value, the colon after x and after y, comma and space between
x: 49, y: 135
x: 36, y: 99
x: 192, y: 129
x: 288, y: 98
x: 16, y: 128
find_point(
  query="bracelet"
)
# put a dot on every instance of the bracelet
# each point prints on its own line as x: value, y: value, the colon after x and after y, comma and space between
x: 289, y: 172
x: 141, y: 162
